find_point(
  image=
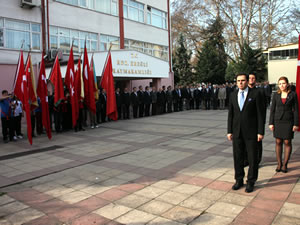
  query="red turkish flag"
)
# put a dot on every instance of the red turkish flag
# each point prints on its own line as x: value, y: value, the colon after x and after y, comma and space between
x: 21, y: 91
x: 298, y: 80
x: 107, y: 83
x: 31, y: 83
x: 70, y: 84
x: 89, y: 84
x: 42, y: 92
x: 55, y: 78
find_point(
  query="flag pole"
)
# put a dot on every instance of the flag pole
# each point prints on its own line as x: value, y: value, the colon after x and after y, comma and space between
x: 105, y: 63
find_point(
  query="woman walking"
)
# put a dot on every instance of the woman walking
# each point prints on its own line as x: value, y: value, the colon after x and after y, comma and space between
x: 284, y: 121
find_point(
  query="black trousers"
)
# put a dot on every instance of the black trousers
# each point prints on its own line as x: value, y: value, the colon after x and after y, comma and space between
x: 125, y: 111
x: 175, y: 105
x: 18, y: 120
x: 141, y: 109
x: 169, y: 107
x: 119, y: 108
x: 154, y: 109
x: 192, y: 103
x: 147, y: 109
x: 243, y: 147
x: 58, y: 121
x: 207, y: 104
x: 135, y: 110
x: 7, y: 128
x: 198, y: 103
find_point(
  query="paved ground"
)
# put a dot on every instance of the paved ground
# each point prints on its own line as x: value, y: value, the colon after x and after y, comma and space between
x: 164, y: 170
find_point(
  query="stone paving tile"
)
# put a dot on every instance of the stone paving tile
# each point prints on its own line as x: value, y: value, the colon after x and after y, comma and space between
x: 273, y: 195
x: 294, y: 198
x: 172, y: 197
x: 202, y: 182
x: 165, y: 184
x: 182, y: 214
x: 131, y: 187
x: 210, y: 194
x: 225, y: 209
x: 90, y: 219
x: 92, y: 203
x: 186, y: 189
x: 151, y: 192
x: 211, y: 219
x: 4, y: 199
x: 11, y: 208
x: 43, y: 220
x: 197, y: 203
x: 155, y: 207
x: 220, y: 185
x: 135, y: 217
x: 236, y: 199
x: 112, y: 211
x: 285, y: 220
x: 163, y: 221
x: 112, y: 194
x: 133, y: 201
x: 256, y: 216
x: 290, y: 209
x: 267, y: 205
x: 24, y: 216
x: 74, y: 197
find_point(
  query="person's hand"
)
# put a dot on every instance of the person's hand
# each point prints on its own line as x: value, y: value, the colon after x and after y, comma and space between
x: 271, y: 127
x: 229, y: 137
x: 260, y: 137
x: 295, y: 128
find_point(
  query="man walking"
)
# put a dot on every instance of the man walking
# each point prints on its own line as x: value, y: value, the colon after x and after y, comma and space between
x: 245, y: 129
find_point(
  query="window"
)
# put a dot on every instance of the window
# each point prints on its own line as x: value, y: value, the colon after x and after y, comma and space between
x: 283, y: 54
x: 105, y: 41
x: 147, y: 48
x: 106, y: 6
x: 156, y: 18
x: 133, y: 10
x: 16, y: 34
x: 63, y: 38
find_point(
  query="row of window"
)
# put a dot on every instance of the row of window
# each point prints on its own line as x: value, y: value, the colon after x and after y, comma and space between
x: 283, y: 54
x: 131, y: 9
x: 16, y: 34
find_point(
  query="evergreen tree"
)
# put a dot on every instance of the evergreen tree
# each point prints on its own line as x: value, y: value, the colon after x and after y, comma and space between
x: 212, y: 58
x: 181, y: 63
x: 252, y: 61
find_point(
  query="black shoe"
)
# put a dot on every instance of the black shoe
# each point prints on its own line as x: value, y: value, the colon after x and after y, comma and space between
x: 249, y: 187
x: 278, y: 169
x: 284, y: 170
x: 238, y: 185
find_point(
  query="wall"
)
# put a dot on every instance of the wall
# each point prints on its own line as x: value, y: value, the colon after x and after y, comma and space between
x: 278, y: 68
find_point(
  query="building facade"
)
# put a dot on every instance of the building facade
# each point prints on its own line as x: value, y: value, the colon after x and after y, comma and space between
x: 137, y: 31
x: 282, y: 61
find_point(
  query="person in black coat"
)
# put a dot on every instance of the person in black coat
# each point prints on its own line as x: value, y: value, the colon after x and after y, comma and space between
x: 147, y: 101
x: 268, y: 93
x: 206, y: 92
x: 103, y: 100
x: 154, y: 101
x: 180, y: 98
x: 175, y: 96
x: 140, y: 94
x: 119, y: 103
x: 214, y: 96
x: 245, y: 128
x: 284, y: 121
x: 169, y: 97
x: 197, y: 97
x: 125, y: 98
x: 134, y: 99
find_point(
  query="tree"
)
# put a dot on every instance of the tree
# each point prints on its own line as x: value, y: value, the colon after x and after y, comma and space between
x: 181, y: 63
x: 252, y: 61
x: 212, y: 58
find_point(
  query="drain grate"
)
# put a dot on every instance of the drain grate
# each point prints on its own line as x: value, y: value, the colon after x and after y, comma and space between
x: 30, y: 152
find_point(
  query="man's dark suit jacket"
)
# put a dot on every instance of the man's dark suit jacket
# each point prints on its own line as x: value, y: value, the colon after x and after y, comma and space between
x: 287, y: 111
x: 134, y: 99
x: 250, y: 120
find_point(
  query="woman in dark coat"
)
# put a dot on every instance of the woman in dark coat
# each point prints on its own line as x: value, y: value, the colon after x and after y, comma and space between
x: 284, y: 121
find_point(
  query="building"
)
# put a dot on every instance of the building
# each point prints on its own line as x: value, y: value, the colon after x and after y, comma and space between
x: 282, y: 61
x: 138, y: 32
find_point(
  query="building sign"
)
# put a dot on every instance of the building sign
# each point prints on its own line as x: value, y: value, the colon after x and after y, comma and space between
x: 128, y: 64
x: 133, y: 64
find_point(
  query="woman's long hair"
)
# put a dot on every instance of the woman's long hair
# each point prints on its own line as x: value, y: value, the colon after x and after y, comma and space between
x: 288, y: 88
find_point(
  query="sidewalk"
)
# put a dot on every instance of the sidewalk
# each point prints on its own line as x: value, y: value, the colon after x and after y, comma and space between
x: 170, y: 169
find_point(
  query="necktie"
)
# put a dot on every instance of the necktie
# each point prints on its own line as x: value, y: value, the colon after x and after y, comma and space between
x: 242, y: 100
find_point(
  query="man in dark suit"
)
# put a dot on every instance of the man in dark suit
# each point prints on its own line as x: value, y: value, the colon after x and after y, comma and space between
x: 197, y: 96
x: 134, y: 102
x: 140, y: 94
x: 252, y: 85
x: 147, y: 100
x: 153, y: 94
x: 125, y: 97
x: 207, y: 97
x: 103, y: 99
x: 119, y: 103
x: 214, y: 96
x: 175, y: 97
x: 245, y: 129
